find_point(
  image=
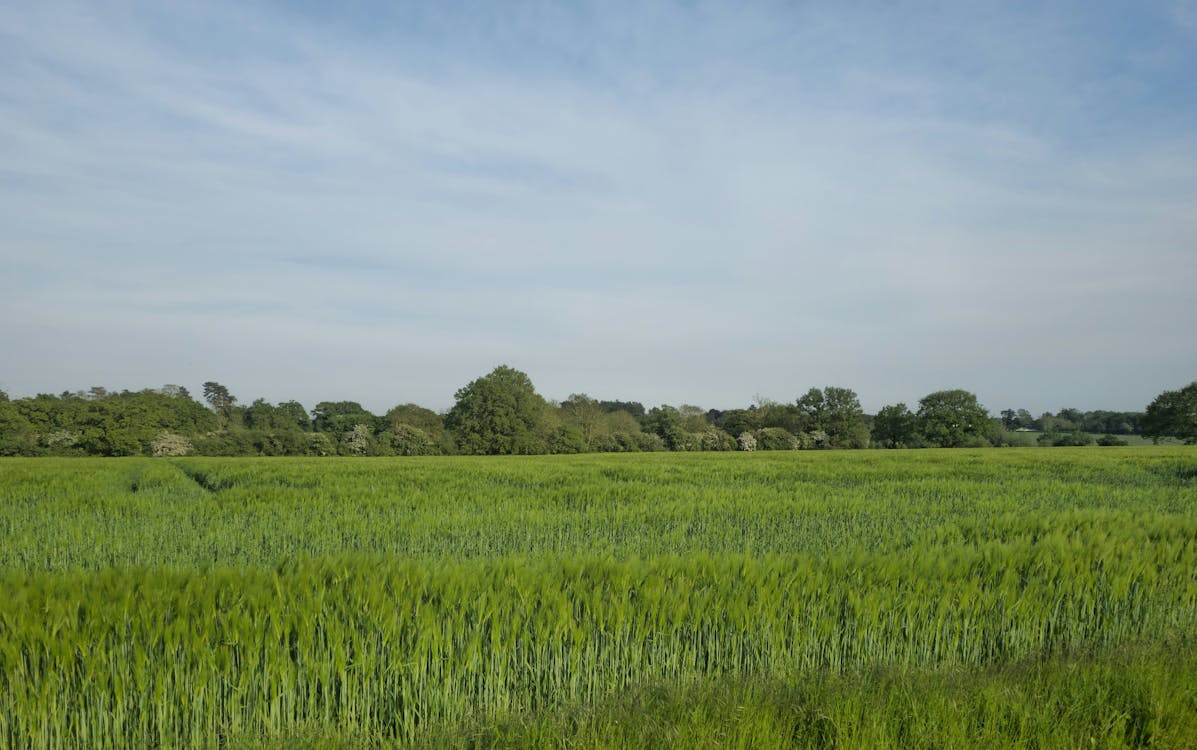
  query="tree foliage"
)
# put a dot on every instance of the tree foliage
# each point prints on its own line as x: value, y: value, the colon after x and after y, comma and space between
x: 837, y: 412
x: 895, y: 426
x: 502, y: 413
x: 1173, y: 414
x: 586, y: 414
x: 221, y: 401
x: 499, y: 413
x: 953, y: 419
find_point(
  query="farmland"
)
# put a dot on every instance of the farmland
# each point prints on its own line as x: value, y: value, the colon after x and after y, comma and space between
x: 813, y: 599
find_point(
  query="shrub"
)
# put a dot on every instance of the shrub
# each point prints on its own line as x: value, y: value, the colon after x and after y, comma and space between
x: 168, y: 443
x: 716, y: 440
x: 776, y: 439
x: 407, y: 440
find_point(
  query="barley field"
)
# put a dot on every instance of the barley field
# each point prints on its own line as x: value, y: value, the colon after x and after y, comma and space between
x: 988, y: 598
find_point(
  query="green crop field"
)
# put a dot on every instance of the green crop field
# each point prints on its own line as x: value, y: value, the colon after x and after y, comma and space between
x: 938, y: 598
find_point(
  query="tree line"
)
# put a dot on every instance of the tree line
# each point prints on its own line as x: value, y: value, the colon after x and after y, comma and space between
x: 501, y: 413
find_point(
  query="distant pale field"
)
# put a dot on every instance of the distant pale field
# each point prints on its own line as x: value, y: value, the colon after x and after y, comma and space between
x: 1131, y: 440
x: 705, y: 599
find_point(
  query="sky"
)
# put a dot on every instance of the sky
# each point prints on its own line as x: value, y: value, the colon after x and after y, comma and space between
x: 668, y: 202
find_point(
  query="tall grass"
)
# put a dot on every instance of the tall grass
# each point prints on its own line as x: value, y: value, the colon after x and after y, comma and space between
x: 58, y: 514
x: 199, y: 603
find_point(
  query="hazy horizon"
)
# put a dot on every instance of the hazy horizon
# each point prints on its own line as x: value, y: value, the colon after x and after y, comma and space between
x: 670, y: 203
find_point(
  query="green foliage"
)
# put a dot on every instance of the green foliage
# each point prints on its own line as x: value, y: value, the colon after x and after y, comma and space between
x: 775, y: 439
x: 738, y: 421
x: 953, y: 419
x: 221, y: 401
x: 407, y: 440
x: 97, y: 421
x: 499, y: 413
x: 340, y: 417
x: 425, y: 420
x: 170, y: 444
x: 1173, y: 414
x: 17, y: 435
x: 895, y: 427
x: 289, y: 416
x: 713, y: 439
x: 358, y: 441
x: 1073, y: 438
x: 635, y: 408
x: 1111, y: 440
x: 567, y: 438
x: 837, y: 413
x: 668, y: 424
x: 587, y: 415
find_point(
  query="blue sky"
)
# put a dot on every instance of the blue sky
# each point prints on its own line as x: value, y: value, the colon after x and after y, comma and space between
x: 670, y: 202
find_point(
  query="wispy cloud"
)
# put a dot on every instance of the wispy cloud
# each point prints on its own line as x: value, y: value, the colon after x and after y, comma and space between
x: 674, y: 203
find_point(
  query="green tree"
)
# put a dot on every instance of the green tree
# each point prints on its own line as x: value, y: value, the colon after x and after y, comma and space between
x: 894, y: 427
x: 1172, y: 414
x: 953, y: 419
x: 715, y: 439
x: 407, y: 440
x: 666, y: 422
x: 358, y: 440
x: 340, y: 417
x: 693, y: 418
x: 17, y: 435
x: 499, y: 413
x: 221, y: 401
x: 1009, y: 419
x: 739, y: 421
x: 295, y: 412
x: 425, y: 420
x: 776, y: 439
x: 586, y: 414
x: 837, y: 412
x: 261, y: 415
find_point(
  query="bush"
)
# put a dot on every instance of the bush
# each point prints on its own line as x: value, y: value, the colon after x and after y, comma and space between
x: 1065, y: 439
x: 1111, y: 440
x: 775, y: 439
x: 607, y: 444
x: 567, y: 438
x: 647, y: 442
x: 407, y: 440
x: 716, y: 440
x: 814, y: 440
x: 169, y: 444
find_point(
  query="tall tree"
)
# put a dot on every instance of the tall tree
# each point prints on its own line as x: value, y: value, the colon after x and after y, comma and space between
x: 837, y: 412
x: 952, y: 419
x: 587, y: 414
x: 174, y: 391
x: 340, y: 417
x: 498, y: 413
x: 894, y: 427
x: 221, y: 401
x: 296, y: 414
x: 425, y: 420
x: 1172, y: 414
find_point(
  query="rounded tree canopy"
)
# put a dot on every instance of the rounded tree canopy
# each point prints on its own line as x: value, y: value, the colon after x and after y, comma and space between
x: 498, y: 413
x: 951, y: 419
x: 1173, y: 414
